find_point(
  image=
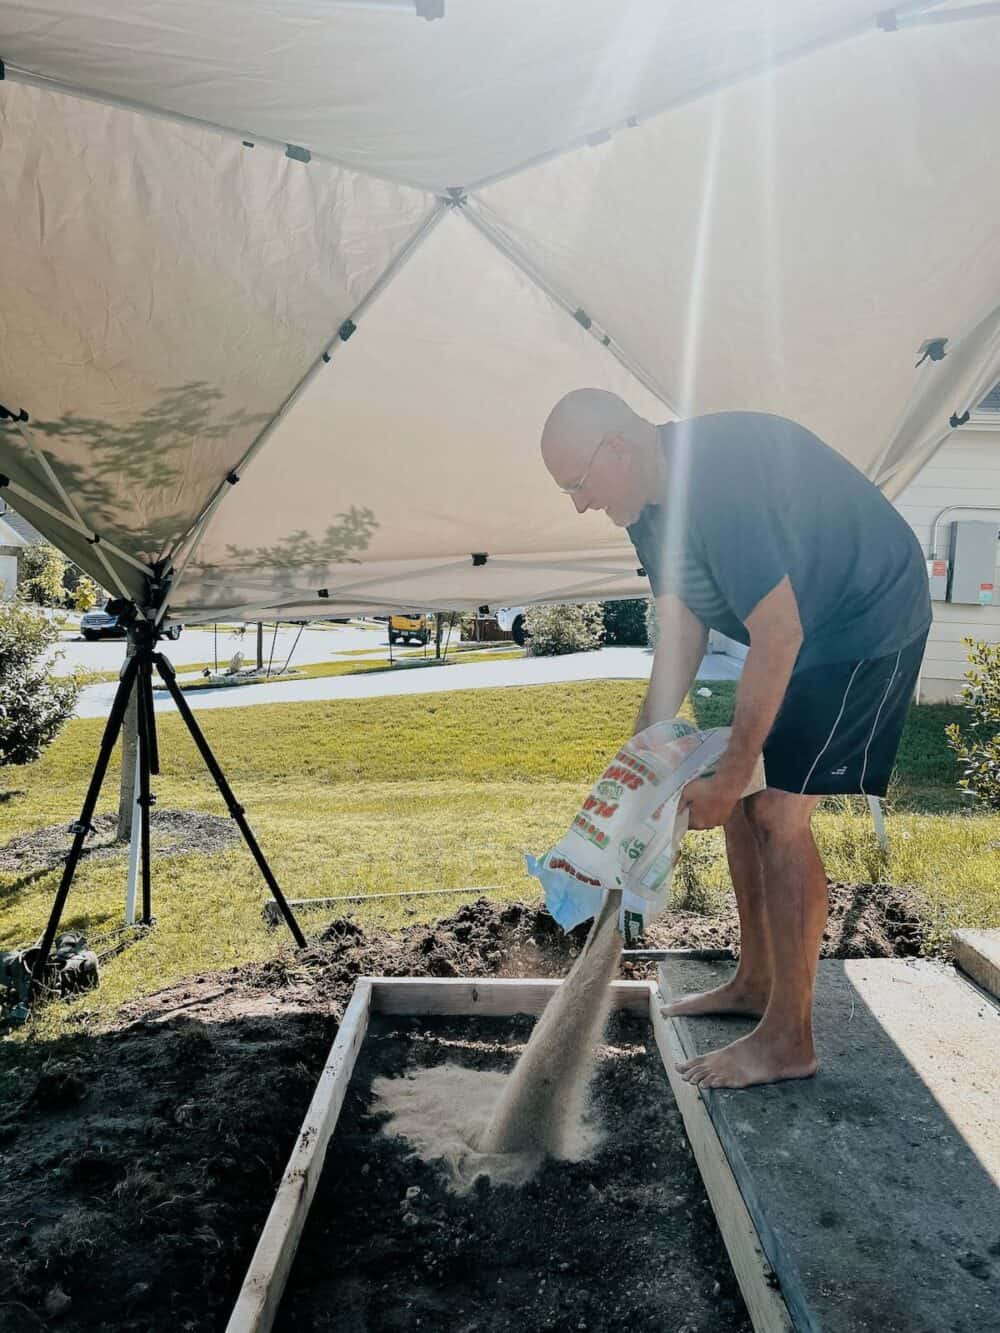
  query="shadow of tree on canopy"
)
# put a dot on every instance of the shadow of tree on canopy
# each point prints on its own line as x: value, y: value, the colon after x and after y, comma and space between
x: 134, y: 462
x: 294, y: 560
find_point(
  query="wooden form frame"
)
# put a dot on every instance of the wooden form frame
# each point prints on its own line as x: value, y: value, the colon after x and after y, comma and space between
x: 264, y: 1284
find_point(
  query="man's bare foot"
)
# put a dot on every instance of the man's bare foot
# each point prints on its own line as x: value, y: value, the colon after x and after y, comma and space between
x: 757, y: 1058
x: 735, y: 997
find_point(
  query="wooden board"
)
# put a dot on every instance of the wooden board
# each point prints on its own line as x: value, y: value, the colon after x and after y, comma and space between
x: 977, y: 953
x: 264, y: 1285
x: 753, y: 1270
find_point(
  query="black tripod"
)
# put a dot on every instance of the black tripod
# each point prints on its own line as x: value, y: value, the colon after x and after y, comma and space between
x: 137, y: 675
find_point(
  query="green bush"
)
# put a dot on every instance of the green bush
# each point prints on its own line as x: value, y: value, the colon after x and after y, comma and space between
x: 625, y: 622
x: 41, y: 569
x: 33, y: 704
x: 84, y: 595
x: 978, y: 749
x: 564, y: 629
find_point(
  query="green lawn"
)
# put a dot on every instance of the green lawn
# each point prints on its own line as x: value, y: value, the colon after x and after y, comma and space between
x: 432, y: 791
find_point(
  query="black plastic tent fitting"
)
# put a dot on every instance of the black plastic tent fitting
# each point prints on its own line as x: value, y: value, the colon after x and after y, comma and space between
x: 326, y: 357
x: 232, y: 478
x: 297, y: 154
x: 641, y: 572
x: 323, y: 592
x: 934, y: 350
x: 4, y: 481
x: 582, y: 317
x: 8, y: 414
x: 954, y: 421
x: 3, y: 71
x: 479, y: 557
x: 95, y: 540
x: 347, y: 330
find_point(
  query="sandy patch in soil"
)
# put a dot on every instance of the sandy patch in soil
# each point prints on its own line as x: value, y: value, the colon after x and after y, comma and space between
x: 624, y: 1240
x: 171, y: 832
x: 137, y: 1165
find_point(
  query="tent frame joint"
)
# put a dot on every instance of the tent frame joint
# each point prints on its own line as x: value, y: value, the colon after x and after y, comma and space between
x: 8, y: 413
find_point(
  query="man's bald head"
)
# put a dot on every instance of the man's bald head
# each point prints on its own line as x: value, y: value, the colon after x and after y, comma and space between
x: 603, y: 454
x: 577, y: 425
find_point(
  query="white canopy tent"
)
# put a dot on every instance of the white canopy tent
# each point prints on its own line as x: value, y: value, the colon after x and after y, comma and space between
x: 287, y: 290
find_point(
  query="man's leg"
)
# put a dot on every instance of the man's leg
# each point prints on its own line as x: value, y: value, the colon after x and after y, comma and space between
x: 795, y: 897
x: 748, y: 990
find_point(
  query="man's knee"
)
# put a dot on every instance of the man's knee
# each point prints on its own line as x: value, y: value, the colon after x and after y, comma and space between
x: 776, y: 816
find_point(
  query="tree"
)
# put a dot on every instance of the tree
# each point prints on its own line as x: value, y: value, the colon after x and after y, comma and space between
x: 564, y: 629
x: 33, y: 704
x: 40, y: 574
x: 979, y: 753
x: 85, y: 593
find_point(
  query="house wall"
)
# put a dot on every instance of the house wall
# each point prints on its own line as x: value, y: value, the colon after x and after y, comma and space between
x: 965, y: 471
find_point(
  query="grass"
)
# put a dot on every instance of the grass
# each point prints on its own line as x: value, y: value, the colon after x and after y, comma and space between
x: 431, y: 791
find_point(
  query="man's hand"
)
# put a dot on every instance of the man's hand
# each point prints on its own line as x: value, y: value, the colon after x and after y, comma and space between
x: 710, y: 801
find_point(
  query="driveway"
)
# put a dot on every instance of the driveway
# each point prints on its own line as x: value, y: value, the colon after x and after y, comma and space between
x: 607, y: 664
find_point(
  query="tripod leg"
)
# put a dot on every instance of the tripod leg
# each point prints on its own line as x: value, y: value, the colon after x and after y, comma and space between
x: 166, y: 671
x: 83, y: 826
x: 146, y: 759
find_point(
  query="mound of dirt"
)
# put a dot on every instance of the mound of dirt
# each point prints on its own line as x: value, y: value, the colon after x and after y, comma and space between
x: 137, y: 1165
x: 171, y: 832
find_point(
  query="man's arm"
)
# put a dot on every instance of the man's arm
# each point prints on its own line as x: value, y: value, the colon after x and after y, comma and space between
x: 775, y: 640
x: 675, y: 664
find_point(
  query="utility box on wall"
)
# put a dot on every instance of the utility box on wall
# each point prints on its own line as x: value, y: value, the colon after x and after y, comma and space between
x: 973, y: 564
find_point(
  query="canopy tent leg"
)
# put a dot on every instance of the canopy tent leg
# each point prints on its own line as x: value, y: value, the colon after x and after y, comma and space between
x: 168, y: 676
x: 84, y: 824
x: 137, y: 675
x: 878, y: 820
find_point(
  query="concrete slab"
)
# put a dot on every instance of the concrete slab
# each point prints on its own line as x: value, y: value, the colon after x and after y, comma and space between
x: 875, y: 1187
x: 977, y: 953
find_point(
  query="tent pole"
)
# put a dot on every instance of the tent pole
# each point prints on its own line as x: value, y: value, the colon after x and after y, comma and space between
x: 168, y: 676
x: 148, y: 762
x: 84, y: 824
x: 18, y: 74
x: 497, y: 238
x: 134, y: 848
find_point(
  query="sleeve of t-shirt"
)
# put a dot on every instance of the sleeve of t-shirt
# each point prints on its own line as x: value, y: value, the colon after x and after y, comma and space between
x: 743, y: 537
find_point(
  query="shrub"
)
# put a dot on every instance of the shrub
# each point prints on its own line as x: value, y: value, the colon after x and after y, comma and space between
x: 564, y: 629
x: 33, y: 705
x: 625, y: 622
x: 978, y: 749
x: 40, y: 575
x: 84, y: 595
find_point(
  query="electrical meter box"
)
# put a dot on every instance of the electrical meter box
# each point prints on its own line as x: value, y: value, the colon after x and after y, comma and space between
x: 973, y: 564
x: 937, y: 579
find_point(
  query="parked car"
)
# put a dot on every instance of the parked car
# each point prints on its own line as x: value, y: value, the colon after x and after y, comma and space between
x: 105, y: 624
x: 409, y: 627
x: 511, y: 620
x: 101, y: 624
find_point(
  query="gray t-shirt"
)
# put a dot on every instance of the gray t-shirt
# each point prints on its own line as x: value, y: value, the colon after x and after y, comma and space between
x: 752, y: 498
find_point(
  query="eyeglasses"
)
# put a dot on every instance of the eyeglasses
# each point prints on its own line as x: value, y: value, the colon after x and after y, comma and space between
x: 577, y: 486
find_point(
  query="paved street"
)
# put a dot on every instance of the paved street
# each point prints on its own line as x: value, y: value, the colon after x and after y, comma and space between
x: 607, y: 664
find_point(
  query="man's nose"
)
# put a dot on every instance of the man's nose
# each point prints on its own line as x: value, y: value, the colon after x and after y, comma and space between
x: 581, y: 504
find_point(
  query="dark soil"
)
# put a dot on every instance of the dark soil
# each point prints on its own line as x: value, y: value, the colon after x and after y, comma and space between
x: 626, y: 1240
x: 171, y: 832
x: 137, y: 1165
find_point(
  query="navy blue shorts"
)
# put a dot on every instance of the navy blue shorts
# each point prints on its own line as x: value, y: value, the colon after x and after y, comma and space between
x: 839, y: 726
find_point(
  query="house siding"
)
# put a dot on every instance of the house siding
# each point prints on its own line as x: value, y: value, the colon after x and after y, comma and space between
x: 965, y: 471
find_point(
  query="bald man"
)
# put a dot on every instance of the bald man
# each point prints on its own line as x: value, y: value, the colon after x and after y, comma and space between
x: 750, y: 525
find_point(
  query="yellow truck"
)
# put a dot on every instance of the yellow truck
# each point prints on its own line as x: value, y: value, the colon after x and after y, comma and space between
x: 409, y: 627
